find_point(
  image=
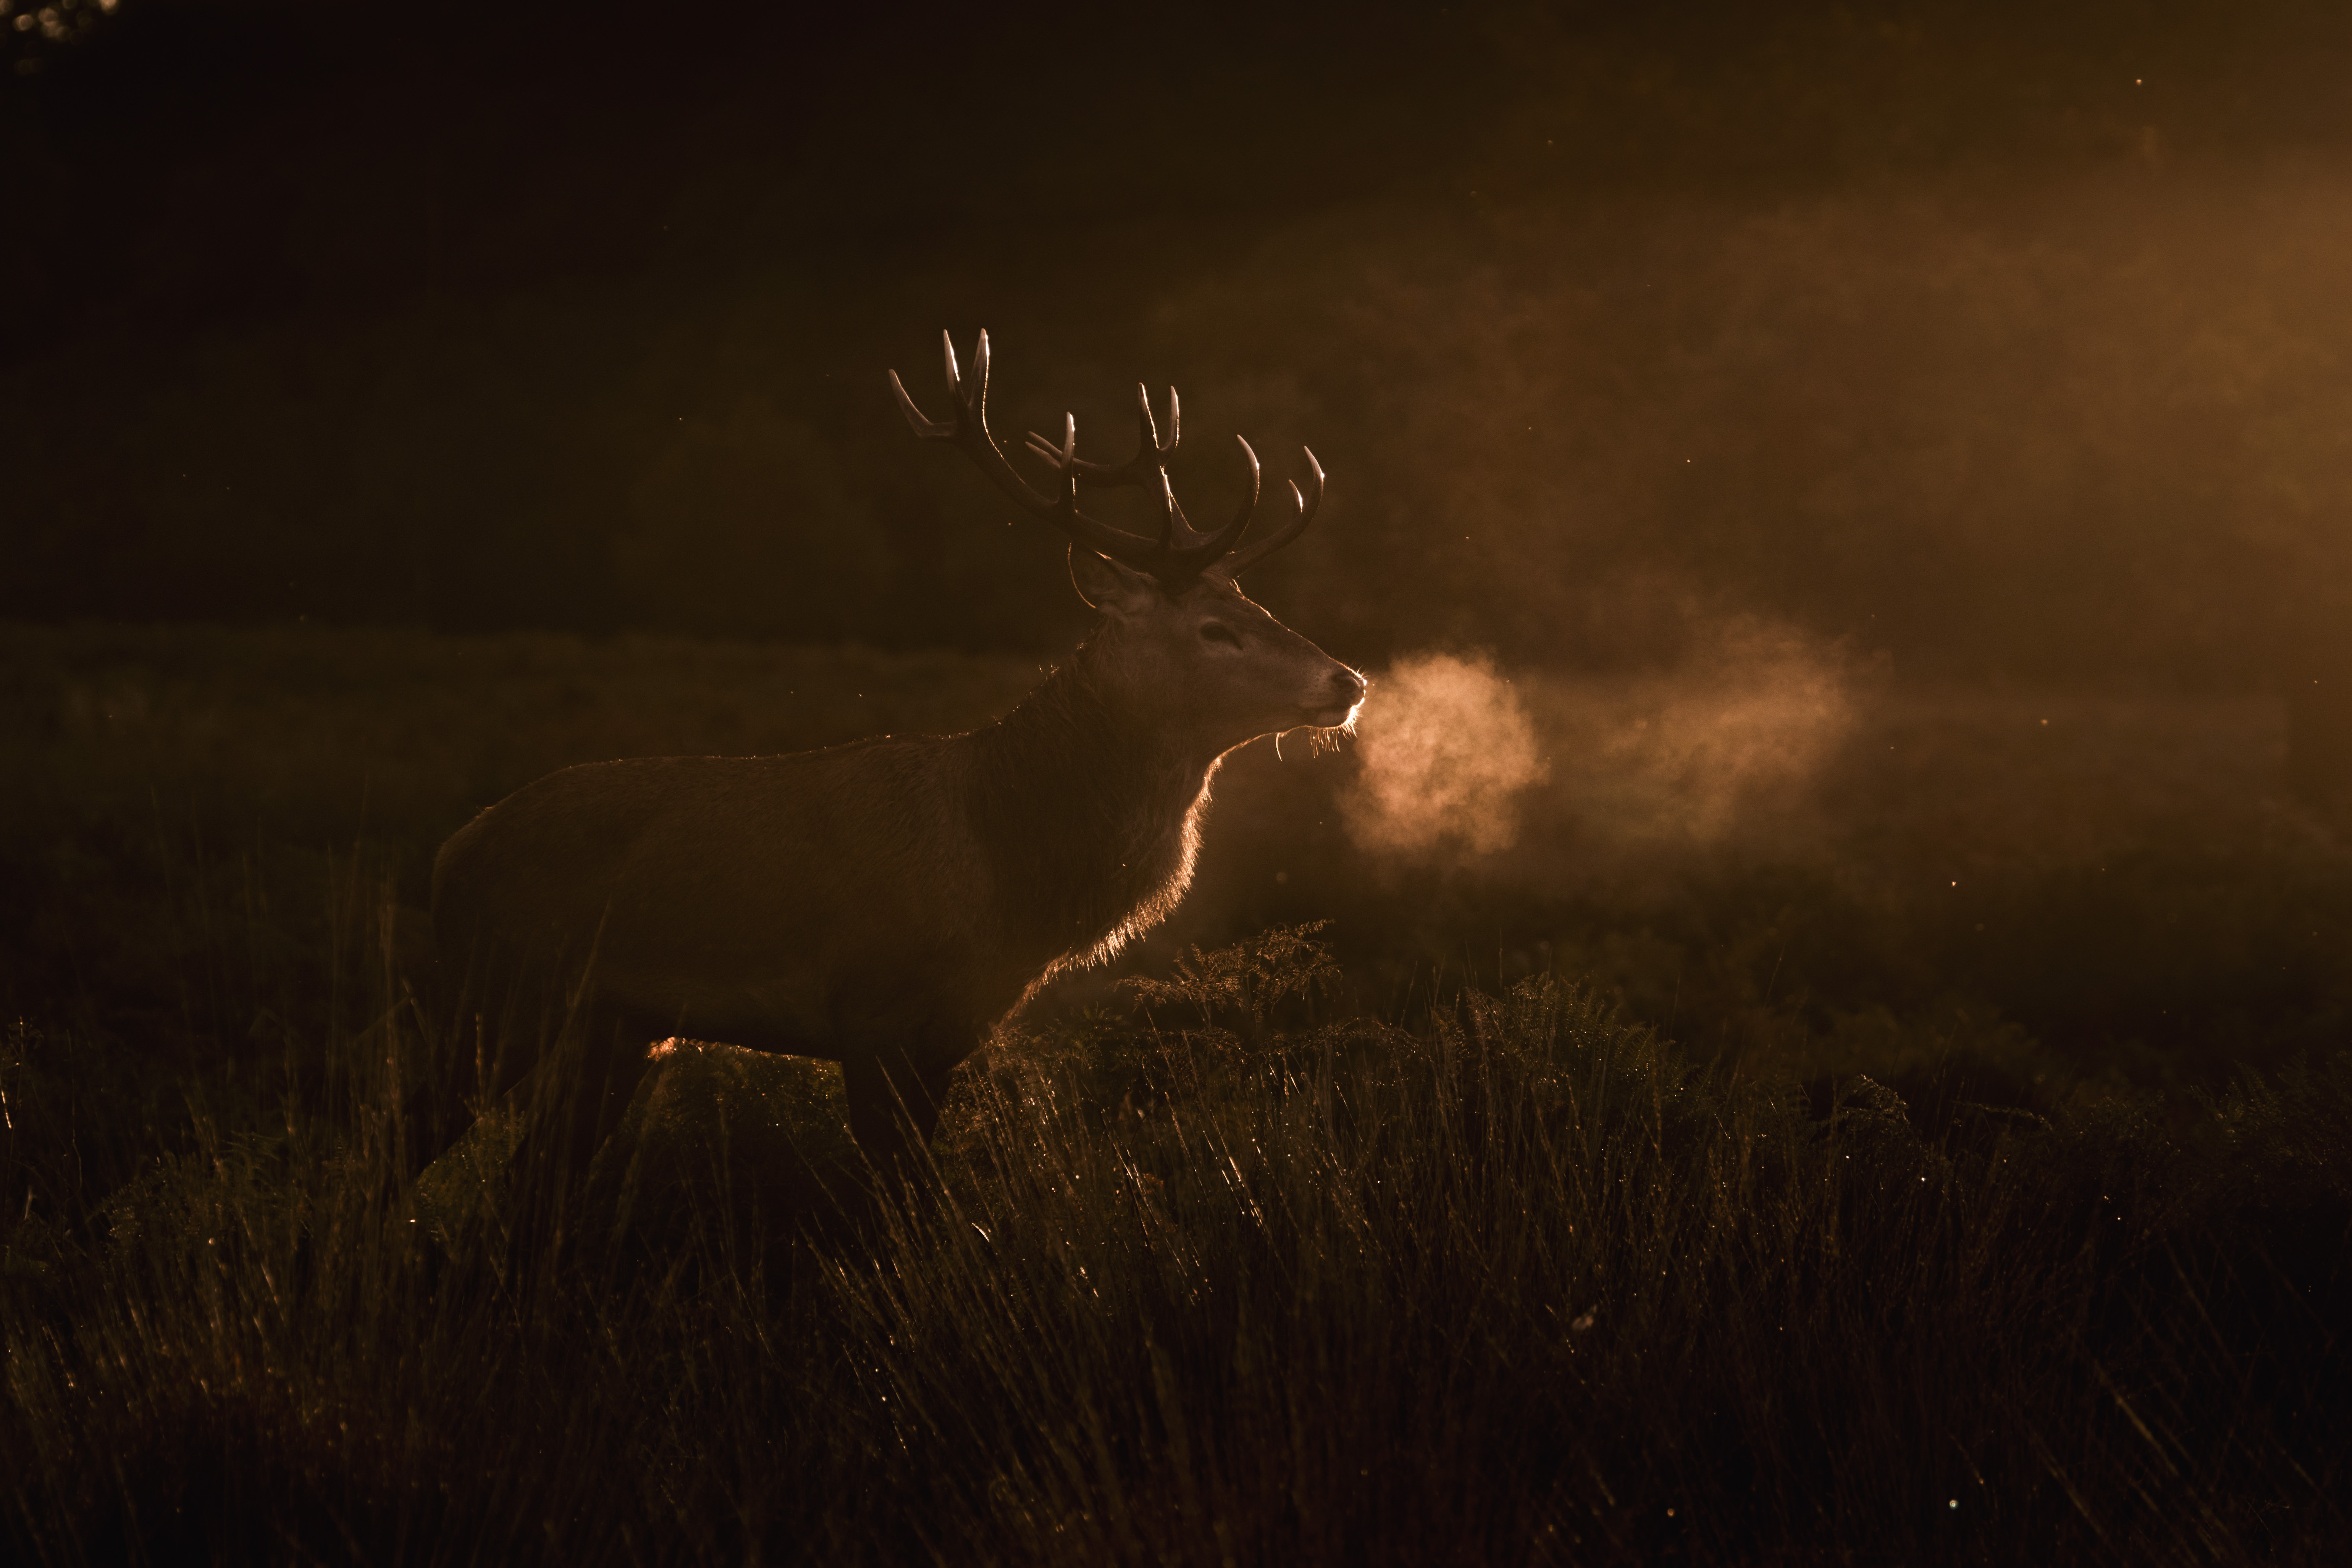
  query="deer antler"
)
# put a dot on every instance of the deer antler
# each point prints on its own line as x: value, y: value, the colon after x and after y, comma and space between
x: 1181, y: 554
x: 1150, y: 454
x: 1241, y: 561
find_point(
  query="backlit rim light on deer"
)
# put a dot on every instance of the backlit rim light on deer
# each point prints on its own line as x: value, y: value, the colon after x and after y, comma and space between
x: 887, y: 903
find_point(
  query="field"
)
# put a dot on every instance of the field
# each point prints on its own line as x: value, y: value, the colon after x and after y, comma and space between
x: 1759, y: 1111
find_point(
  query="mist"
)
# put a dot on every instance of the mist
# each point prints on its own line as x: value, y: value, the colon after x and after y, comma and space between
x: 2072, y: 429
x: 1733, y: 738
x: 2035, y: 368
x: 1445, y: 761
x: 1461, y: 762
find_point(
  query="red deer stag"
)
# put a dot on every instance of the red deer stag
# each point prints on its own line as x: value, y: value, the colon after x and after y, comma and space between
x: 885, y: 903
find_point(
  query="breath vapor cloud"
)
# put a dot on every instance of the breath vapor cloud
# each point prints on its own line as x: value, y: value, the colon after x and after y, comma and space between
x: 1447, y: 748
x: 1459, y: 760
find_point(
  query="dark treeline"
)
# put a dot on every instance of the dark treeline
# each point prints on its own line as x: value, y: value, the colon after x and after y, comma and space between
x: 2004, y: 339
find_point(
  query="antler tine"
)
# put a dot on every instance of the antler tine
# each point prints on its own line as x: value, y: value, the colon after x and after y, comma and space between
x: 972, y: 424
x: 925, y: 429
x: 1307, y: 502
x: 1179, y: 554
x: 1150, y: 454
x: 1142, y: 553
x: 1190, y: 553
x: 1064, y: 456
x: 969, y: 431
x: 1216, y: 545
x: 931, y: 429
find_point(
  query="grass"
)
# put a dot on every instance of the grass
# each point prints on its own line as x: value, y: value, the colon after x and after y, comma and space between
x: 1209, y: 1281
x: 1763, y: 1217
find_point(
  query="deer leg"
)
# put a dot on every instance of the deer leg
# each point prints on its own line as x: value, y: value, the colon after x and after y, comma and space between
x: 574, y: 1095
x: 893, y: 1106
x: 615, y: 1063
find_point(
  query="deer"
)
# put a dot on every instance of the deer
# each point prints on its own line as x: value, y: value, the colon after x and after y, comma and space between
x: 887, y: 904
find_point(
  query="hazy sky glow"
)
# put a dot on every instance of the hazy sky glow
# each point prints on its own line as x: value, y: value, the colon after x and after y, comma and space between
x: 2002, y: 344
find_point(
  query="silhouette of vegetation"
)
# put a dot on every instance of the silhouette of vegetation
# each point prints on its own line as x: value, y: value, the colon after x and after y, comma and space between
x: 1516, y: 1281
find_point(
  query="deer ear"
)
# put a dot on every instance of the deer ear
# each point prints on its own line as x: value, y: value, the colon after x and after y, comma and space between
x: 1120, y: 592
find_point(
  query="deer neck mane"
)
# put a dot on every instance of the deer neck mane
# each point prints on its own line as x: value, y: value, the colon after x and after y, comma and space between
x: 1091, y: 812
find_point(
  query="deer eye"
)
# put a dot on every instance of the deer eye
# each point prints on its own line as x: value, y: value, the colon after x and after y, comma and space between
x: 1217, y: 632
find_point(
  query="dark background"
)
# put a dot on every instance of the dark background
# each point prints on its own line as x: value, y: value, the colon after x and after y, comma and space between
x: 2006, y: 338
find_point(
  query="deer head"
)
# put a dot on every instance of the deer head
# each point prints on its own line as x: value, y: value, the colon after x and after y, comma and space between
x: 1182, y: 643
